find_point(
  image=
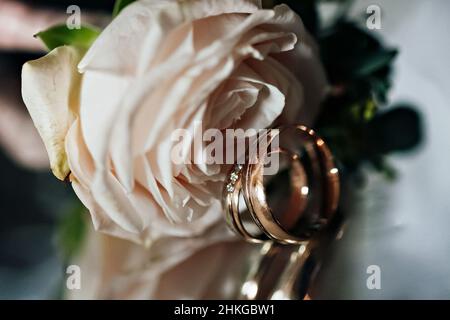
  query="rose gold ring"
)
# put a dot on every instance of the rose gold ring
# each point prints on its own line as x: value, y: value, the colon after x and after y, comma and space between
x: 314, y: 181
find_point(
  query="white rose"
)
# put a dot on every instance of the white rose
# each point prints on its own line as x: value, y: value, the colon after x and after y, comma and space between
x: 161, y: 66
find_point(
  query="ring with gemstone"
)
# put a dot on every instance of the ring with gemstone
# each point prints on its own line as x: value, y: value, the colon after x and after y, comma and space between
x: 232, y: 201
x: 260, y: 211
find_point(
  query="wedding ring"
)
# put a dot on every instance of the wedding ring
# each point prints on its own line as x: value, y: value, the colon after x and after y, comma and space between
x: 314, y: 197
x: 232, y: 197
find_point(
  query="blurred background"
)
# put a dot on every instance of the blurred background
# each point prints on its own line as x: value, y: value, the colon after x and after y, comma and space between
x: 35, y: 208
x: 399, y: 225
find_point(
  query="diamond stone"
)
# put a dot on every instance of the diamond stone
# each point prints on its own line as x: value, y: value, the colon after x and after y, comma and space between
x: 230, y: 187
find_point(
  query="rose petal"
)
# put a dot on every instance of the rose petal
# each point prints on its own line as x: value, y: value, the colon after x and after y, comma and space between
x: 119, y: 269
x: 50, y: 88
x: 142, y: 26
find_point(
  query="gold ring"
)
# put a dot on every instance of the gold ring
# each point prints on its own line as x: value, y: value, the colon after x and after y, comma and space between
x: 315, y: 192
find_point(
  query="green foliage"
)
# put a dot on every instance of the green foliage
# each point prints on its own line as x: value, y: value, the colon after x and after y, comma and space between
x: 397, y: 129
x: 353, y: 56
x: 352, y: 120
x: 360, y: 132
x: 61, y: 35
x: 119, y: 5
x: 71, y: 231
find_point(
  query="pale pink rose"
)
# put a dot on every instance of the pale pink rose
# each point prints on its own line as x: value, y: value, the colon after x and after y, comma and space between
x: 107, y: 116
x: 194, y: 268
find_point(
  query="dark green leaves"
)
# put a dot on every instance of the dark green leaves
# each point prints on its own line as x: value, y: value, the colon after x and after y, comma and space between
x: 359, y: 133
x: 351, y: 53
x: 398, y: 129
x: 352, y: 121
x: 61, y: 35
x: 119, y: 5
x: 373, y: 62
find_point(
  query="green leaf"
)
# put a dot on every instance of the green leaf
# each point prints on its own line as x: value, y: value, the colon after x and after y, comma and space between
x: 72, y: 231
x: 60, y: 35
x: 119, y: 5
x: 381, y: 165
x: 374, y: 61
x: 398, y: 129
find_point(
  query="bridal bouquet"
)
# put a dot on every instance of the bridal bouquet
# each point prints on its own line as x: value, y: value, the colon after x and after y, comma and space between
x: 107, y: 103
